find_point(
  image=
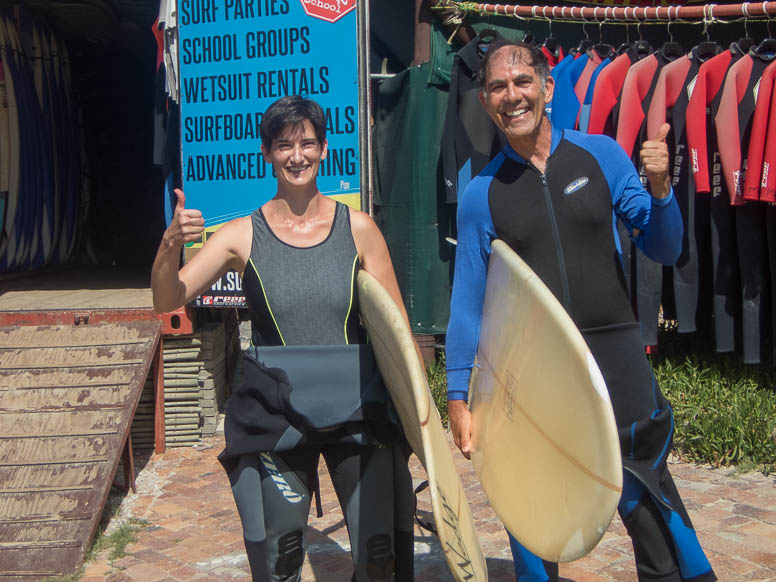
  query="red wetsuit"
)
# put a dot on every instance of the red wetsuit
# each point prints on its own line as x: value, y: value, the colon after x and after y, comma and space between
x: 734, y: 120
x: 755, y: 153
x: 704, y: 154
x: 675, y: 83
x: 636, y: 97
x: 756, y: 165
x: 711, y: 76
x: 768, y: 178
x: 606, y: 95
x: 637, y: 92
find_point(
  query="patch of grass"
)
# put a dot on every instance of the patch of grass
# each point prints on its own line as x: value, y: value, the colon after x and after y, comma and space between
x: 725, y: 411
x: 116, y: 541
x: 437, y: 382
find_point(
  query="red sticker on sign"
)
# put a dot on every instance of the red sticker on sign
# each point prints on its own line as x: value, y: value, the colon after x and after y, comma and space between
x: 328, y: 10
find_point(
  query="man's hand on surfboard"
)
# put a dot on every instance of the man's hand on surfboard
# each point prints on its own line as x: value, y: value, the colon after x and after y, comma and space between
x: 654, y: 156
x: 460, y: 425
x: 187, y: 224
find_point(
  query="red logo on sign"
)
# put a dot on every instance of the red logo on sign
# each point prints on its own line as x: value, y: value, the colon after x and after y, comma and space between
x: 328, y: 10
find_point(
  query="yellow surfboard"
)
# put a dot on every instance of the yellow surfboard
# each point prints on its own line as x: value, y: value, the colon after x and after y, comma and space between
x: 403, y: 374
x: 544, y: 438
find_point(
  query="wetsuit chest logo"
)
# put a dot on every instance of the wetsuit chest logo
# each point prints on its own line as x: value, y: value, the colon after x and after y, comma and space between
x: 575, y: 185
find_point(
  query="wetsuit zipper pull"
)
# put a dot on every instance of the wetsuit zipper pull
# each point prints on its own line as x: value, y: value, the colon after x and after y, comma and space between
x: 544, y: 179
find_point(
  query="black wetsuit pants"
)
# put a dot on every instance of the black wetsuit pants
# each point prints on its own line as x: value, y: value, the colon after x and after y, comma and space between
x: 273, y: 493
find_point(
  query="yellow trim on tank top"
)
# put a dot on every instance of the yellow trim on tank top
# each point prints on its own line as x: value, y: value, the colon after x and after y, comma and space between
x: 350, y: 305
x: 266, y: 300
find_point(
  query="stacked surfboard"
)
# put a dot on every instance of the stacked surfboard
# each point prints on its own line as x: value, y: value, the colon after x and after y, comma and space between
x: 39, y: 151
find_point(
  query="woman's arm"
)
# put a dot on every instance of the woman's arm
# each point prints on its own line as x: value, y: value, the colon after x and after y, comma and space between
x: 227, y: 248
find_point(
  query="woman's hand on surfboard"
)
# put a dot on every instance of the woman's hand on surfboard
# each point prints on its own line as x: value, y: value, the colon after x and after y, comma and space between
x: 187, y: 224
x: 461, y: 425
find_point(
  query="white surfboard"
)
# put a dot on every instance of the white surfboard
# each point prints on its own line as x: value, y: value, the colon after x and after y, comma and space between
x: 406, y: 381
x: 544, y: 438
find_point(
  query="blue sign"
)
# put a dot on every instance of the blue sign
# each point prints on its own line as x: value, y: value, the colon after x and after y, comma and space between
x: 236, y: 58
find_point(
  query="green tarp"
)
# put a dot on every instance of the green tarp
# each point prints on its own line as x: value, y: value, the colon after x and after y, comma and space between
x: 409, y: 206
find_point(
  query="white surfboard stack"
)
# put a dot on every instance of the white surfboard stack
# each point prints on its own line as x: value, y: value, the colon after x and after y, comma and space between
x: 40, y: 166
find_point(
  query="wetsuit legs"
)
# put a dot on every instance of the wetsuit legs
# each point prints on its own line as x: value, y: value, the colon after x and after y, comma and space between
x: 363, y: 479
x: 664, y: 543
x: 272, y: 493
x: 530, y: 567
x: 752, y: 257
x: 273, y: 505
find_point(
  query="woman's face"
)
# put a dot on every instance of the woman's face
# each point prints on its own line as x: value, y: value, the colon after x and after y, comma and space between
x: 296, y: 155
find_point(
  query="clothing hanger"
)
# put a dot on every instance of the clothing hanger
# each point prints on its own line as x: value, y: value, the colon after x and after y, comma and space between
x: 551, y: 43
x: 767, y: 47
x: 706, y: 49
x: 604, y: 50
x: 584, y: 44
x: 670, y: 49
x: 745, y: 42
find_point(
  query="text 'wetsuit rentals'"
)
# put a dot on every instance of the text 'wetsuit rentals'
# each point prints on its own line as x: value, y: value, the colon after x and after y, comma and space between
x: 562, y: 223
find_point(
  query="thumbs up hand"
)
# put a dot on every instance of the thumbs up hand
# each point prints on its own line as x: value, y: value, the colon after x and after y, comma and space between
x: 187, y: 223
x: 655, y: 159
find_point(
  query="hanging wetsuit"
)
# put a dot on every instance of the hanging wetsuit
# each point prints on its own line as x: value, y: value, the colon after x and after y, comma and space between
x: 767, y: 184
x: 734, y: 120
x: 584, y: 111
x: 604, y: 112
x: 554, y: 54
x: 544, y: 221
x: 605, y: 105
x: 469, y: 137
x: 704, y: 154
x: 312, y: 388
x: 674, y: 86
x: 571, y: 83
x: 756, y: 150
x: 636, y: 98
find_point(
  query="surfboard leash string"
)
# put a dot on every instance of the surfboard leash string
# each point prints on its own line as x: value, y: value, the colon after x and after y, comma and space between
x: 426, y: 525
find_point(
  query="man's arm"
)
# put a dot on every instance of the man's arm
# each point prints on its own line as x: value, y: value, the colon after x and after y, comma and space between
x: 653, y: 220
x: 475, y: 231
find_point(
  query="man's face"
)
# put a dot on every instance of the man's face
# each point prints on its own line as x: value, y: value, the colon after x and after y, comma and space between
x: 513, y: 94
x: 296, y: 155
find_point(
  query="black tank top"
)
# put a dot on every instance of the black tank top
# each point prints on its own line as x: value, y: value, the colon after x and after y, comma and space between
x: 303, y: 295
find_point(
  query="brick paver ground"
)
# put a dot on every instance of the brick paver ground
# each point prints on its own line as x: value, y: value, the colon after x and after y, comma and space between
x: 194, y: 531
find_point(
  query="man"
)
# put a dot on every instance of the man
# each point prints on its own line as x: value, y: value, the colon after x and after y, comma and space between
x: 552, y: 195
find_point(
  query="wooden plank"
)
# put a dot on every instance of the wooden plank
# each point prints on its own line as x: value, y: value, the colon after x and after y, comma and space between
x: 73, y: 377
x: 82, y: 398
x: 70, y: 335
x: 66, y: 356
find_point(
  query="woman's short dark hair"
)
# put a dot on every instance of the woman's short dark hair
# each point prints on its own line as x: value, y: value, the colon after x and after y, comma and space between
x: 536, y: 59
x: 291, y: 110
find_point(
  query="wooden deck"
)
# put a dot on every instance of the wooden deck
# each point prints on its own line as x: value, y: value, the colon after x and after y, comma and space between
x: 76, y: 288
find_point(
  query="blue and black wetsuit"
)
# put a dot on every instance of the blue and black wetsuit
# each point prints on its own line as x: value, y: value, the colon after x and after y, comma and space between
x: 562, y: 223
x: 312, y: 388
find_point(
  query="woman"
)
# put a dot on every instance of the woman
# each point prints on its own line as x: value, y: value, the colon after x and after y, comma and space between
x: 311, y: 386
